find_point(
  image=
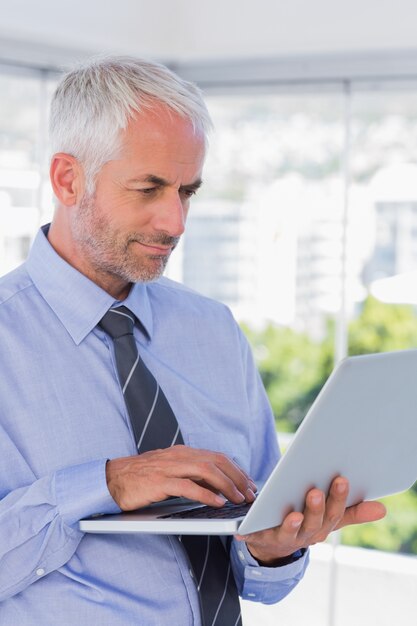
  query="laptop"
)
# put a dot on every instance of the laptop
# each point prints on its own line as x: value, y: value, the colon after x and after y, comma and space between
x: 362, y: 425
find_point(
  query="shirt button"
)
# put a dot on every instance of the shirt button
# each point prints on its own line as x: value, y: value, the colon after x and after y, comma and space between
x: 191, y: 573
x: 251, y: 595
x: 256, y: 572
x: 40, y: 571
x: 241, y: 555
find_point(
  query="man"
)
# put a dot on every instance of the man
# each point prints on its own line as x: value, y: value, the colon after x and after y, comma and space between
x: 129, y: 142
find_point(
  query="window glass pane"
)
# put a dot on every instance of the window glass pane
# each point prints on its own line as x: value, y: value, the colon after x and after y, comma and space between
x: 46, y: 203
x: 384, y: 187
x: 22, y: 164
x: 264, y: 234
x: 383, y: 224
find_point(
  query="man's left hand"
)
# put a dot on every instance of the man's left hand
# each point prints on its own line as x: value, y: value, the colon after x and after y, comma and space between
x: 320, y: 517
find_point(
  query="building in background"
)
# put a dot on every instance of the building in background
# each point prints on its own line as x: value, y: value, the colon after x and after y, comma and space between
x: 19, y: 216
x: 394, y: 190
x: 277, y: 256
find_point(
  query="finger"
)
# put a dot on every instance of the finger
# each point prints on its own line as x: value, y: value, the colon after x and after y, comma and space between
x: 212, y: 478
x: 249, y: 496
x: 231, y: 469
x: 251, y: 482
x: 286, y: 532
x: 289, y: 530
x: 336, y: 503
x: 275, y: 543
x: 208, y: 475
x: 314, y: 511
x: 243, y: 483
x: 362, y: 513
x: 142, y: 479
x: 186, y: 488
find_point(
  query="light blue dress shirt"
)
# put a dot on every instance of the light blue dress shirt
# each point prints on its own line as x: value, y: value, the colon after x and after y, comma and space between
x: 62, y: 415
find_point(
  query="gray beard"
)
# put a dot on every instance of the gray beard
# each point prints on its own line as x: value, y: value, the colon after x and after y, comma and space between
x: 108, y: 252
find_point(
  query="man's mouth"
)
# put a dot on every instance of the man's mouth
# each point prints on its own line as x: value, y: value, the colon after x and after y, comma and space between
x: 156, y: 249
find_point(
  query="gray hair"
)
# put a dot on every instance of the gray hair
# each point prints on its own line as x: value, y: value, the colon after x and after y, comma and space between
x: 95, y: 101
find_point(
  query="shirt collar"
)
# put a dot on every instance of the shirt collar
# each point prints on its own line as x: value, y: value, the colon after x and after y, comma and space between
x: 76, y: 300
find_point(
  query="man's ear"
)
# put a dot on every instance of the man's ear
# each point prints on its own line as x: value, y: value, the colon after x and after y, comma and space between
x: 67, y: 179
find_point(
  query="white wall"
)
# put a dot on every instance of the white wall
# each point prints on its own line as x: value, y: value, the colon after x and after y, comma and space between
x: 369, y: 589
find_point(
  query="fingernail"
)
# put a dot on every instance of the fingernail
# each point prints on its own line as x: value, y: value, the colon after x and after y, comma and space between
x: 221, y: 500
x: 341, y: 487
x: 316, y: 499
x: 250, y: 496
x: 296, y: 523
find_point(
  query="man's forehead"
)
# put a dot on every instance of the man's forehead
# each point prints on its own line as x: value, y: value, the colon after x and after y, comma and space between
x: 174, y: 152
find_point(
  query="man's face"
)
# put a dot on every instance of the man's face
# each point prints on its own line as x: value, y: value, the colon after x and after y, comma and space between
x: 127, y: 230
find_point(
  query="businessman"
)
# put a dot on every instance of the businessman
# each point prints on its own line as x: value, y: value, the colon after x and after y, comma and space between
x: 121, y: 388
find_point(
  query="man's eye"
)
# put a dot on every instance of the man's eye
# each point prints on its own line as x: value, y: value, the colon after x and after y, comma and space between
x: 148, y: 191
x: 188, y: 192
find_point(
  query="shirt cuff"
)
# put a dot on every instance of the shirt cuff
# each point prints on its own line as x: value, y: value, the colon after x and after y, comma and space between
x: 264, y: 584
x: 81, y: 491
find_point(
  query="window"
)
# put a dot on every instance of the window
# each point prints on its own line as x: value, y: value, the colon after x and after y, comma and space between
x: 25, y: 200
x: 315, y: 196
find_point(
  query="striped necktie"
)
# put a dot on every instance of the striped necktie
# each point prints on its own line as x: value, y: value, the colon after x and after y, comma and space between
x: 155, y: 426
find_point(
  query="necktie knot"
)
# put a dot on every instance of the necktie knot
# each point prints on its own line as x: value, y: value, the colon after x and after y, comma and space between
x: 118, y: 322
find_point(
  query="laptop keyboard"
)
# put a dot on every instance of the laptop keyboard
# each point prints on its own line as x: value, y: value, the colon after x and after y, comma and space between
x: 228, y: 511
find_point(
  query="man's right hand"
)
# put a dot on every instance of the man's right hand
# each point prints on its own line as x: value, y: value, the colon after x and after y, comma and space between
x: 201, y: 475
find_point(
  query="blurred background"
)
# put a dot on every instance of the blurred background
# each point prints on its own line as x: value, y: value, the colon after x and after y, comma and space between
x: 306, y: 225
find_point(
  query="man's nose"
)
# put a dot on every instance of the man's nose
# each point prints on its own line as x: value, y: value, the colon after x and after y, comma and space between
x: 171, y: 215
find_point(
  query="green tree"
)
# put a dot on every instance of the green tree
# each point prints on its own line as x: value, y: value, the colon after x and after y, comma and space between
x: 383, y: 327
x: 293, y: 369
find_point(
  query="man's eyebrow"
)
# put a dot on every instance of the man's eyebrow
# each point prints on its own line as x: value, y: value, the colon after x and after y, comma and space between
x: 161, y: 182
x: 193, y: 186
